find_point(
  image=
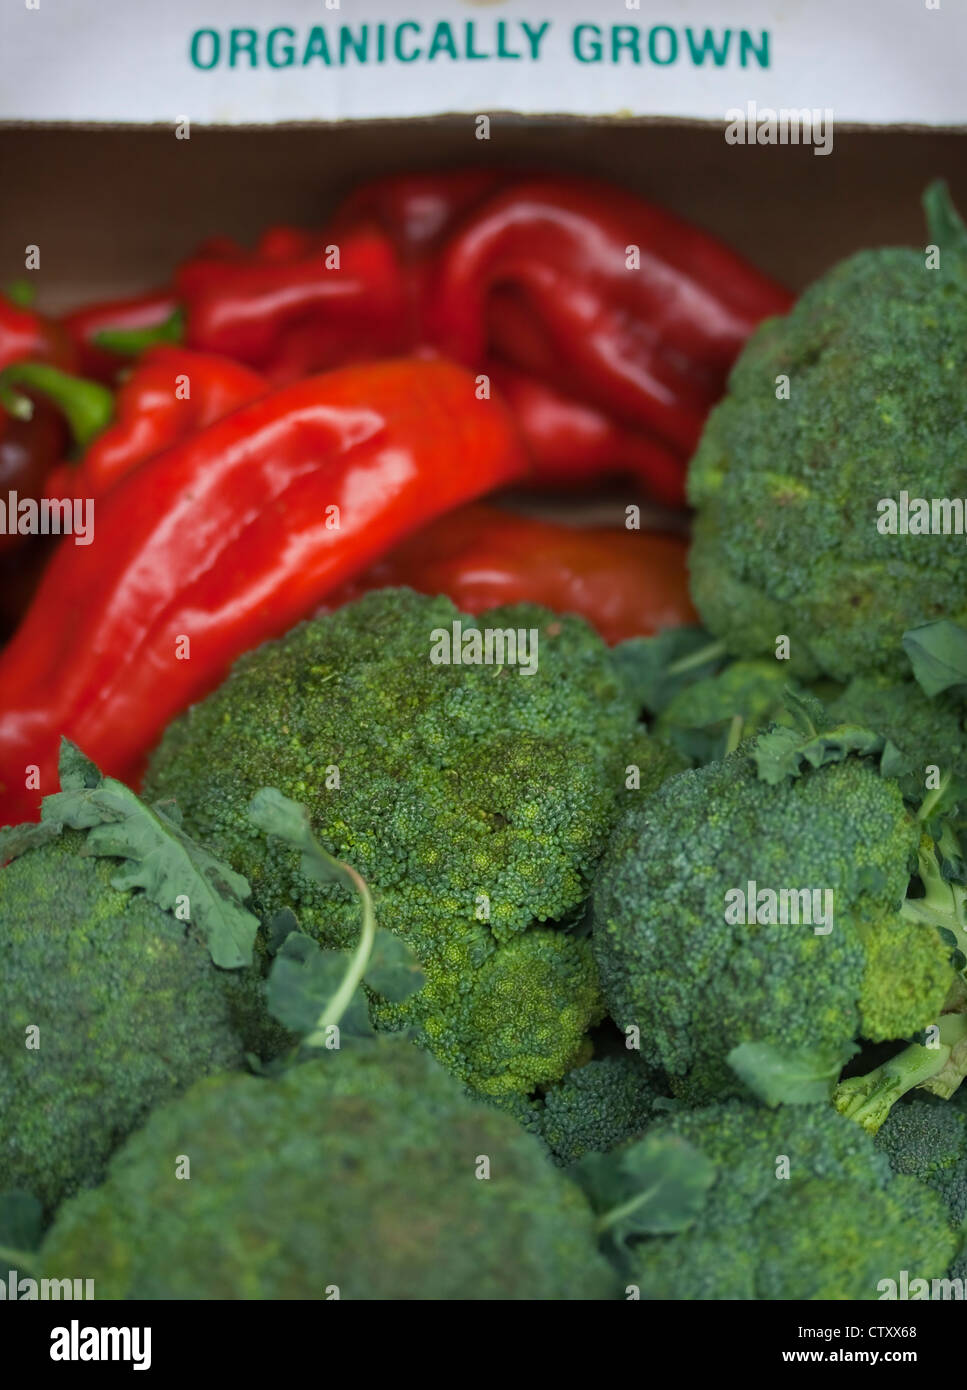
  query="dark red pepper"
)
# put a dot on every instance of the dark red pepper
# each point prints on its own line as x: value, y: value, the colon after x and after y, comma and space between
x: 102, y: 333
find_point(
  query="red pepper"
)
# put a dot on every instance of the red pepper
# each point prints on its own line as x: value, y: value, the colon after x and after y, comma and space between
x: 573, y: 444
x: 153, y: 411
x: 27, y: 336
x: 626, y: 583
x: 327, y: 304
x: 226, y: 540
x: 102, y: 333
x: 545, y: 275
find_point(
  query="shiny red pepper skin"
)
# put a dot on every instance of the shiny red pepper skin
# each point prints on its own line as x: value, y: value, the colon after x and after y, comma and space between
x: 132, y: 313
x: 626, y: 583
x: 539, y: 274
x: 223, y: 540
x: 286, y: 315
x: 573, y: 444
x: 152, y: 412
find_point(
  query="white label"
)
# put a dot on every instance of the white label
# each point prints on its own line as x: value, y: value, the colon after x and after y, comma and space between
x: 251, y: 62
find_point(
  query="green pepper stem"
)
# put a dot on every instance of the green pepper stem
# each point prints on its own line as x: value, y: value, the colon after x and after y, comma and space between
x: 87, y: 406
x: 132, y: 342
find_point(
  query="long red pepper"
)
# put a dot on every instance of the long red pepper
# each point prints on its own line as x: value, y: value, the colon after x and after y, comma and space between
x: 225, y: 540
x: 626, y: 583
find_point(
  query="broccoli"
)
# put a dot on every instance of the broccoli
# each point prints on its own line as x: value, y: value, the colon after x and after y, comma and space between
x: 109, y: 1004
x: 681, y: 961
x: 736, y: 1201
x: 923, y: 730
x: 927, y: 1139
x: 787, y: 537
x: 597, y: 1106
x: 474, y: 800
x: 362, y: 1171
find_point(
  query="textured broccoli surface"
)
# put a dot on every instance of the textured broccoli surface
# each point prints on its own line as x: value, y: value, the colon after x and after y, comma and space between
x: 597, y: 1107
x: 128, y: 1011
x: 802, y: 1207
x: 473, y: 799
x: 698, y: 984
x: 786, y: 537
x: 927, y: 1139
x: 360, y: 1170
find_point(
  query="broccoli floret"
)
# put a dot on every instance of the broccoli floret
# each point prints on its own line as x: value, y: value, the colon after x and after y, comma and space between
x: 362, y: 1171
x: 108, y: 1006
x: 787, y: 536
x: 680, y: 959
x: 475, y: 800
x: 800, y: 1206
x: 597, y: 1106
x: 927, y: 1139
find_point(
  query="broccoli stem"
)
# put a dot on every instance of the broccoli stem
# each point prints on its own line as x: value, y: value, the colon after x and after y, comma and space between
x: 944, y: 904
x: 868, y: 1099
x: 714, y: 651
x: 339, y: 1002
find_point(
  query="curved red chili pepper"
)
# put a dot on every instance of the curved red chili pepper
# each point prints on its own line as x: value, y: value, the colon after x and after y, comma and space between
x: 226, y: 540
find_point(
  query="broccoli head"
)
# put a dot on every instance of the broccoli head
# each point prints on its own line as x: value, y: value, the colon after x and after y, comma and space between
x: 710, y: 717
x: 927, y: 1139
x: 366, y: 1171
x: 474, y: 799
x: 696, y: 951
x: 596, y: 1107
x: 108, y: 1006
x: 791, y: 1203
x: 789, y: 537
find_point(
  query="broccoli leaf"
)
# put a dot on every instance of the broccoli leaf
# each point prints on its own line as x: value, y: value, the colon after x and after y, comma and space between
x: 938, y: 655
x: 781, y: 753
x: 18, y: 839
x: 303, y: 980
x: 655, y: 1186
x: 173, y: 870
x: 803, y: 1077
x: 393, y: 970
x: 656, y: 668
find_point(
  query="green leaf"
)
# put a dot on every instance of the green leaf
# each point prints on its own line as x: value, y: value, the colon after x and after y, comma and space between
x: 393, y: 970
x: 303, y: 980
x: 17, y: 839
x: 75, y: 769
x: 174, y: 871
x: 781, y: 753
x: 656, y: 668
x: 279, y: 928
x: 938, y: 655
x: 804, y: 1076
x: 655, y: 1186
x: 275, y: 814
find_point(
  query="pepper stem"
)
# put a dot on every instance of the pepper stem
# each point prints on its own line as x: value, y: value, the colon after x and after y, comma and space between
x: 87, y: 406
x: 131, y: 342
